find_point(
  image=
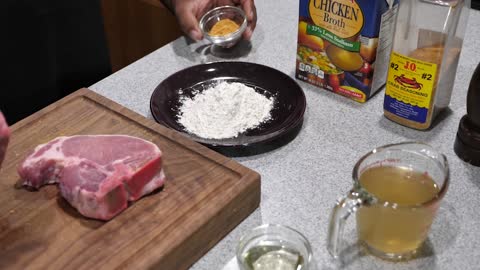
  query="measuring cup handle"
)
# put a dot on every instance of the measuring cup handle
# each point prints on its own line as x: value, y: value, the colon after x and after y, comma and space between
x: 342, y: 210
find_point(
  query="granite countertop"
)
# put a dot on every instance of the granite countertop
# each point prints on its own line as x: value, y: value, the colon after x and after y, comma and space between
x: 302, y: 180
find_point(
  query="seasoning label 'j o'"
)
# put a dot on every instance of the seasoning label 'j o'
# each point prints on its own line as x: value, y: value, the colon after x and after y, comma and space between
x: 409, y: 88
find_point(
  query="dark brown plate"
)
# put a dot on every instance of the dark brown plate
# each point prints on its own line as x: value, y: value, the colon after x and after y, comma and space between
x: 287, y: 114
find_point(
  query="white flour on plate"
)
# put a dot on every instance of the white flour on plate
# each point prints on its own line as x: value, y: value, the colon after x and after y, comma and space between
x: 224, y: 111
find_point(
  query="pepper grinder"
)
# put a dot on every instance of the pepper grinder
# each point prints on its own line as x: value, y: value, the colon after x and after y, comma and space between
x: 467, y: 143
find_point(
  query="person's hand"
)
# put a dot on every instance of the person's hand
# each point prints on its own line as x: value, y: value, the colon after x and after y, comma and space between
x: 189, y: 12
x: 4, y: 137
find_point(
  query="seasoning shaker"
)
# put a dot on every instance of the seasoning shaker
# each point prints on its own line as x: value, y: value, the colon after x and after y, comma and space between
x: 426, y: 48
x: 467, y: 142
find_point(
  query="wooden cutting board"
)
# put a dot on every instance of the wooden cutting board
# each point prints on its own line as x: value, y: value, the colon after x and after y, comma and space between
x: 206, y: 195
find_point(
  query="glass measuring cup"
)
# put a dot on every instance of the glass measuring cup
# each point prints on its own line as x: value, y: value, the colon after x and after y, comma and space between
x: 396, y: 192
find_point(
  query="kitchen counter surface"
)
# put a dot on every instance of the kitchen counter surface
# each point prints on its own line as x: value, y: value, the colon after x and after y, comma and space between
x: 302, y: 180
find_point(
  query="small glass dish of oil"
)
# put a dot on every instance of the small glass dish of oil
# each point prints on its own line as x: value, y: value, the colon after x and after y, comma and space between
x: 274, y: 247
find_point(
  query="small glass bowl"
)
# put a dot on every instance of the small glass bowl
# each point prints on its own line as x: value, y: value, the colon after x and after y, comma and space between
x: 273, y: 245
x: 224, y: 12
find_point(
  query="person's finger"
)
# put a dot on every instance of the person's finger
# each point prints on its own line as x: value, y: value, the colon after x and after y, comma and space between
x: 226, y: 3
x: 188, y: 21
x: 248, y: 7
x: 251, y: 13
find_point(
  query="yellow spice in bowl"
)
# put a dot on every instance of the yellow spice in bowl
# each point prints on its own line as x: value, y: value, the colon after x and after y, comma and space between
x: 224, y: 27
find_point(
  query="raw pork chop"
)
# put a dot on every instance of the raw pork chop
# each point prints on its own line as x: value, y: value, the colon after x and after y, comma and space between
x: 4, y: 137
x: 97, y: 174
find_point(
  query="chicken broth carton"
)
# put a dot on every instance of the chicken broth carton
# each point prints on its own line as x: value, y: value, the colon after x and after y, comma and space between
x: 344, y: 45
